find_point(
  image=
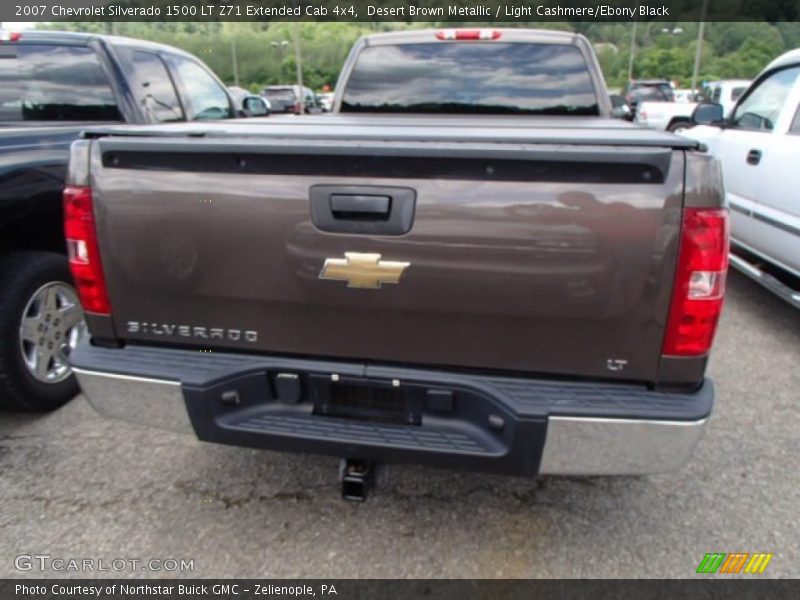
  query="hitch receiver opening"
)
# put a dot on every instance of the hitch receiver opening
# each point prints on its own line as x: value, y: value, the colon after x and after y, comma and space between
x: 357, y: 477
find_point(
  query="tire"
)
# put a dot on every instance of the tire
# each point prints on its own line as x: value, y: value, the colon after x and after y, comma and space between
x: 677, y: 126
x: 36, y: 292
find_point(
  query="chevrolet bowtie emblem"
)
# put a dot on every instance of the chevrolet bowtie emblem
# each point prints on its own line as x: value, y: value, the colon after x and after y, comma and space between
x: 363, y: 270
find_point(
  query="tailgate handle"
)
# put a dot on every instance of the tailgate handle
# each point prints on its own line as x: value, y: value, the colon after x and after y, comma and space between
x: 360, y: 206
x: 362, y: 209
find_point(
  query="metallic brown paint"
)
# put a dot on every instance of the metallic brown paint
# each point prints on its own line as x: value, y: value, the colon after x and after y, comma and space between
x: 538, y: 277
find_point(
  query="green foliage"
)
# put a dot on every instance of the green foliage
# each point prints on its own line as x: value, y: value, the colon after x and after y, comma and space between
x: 265, y: 51
x: 667, y: 50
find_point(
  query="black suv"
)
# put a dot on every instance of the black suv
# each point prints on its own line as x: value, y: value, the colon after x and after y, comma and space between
x: 56, y: 84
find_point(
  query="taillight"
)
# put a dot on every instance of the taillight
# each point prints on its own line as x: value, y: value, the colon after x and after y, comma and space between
x: 10, y: 36
x: 468, y: 34
x: 84, y: 255
x: 699, y: 282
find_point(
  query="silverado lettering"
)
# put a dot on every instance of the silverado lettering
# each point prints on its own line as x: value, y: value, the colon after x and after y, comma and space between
x: 188, y: 331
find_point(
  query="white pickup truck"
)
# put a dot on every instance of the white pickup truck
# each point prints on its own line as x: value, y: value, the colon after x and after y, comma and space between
x: 669, y: 116
x: 759, y: 148
x: 677, y: 116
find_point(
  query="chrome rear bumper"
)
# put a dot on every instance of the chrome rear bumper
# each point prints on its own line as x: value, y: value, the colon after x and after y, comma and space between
x: 572, y: 445
x: 591, y: 446
x: 153, y: 402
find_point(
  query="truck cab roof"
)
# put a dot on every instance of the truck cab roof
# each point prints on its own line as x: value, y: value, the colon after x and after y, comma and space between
x: 83, y: 39
x: 784, y: 60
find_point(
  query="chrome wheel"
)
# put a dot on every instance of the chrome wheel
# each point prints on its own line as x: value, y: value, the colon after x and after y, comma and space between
x: 52, y: 325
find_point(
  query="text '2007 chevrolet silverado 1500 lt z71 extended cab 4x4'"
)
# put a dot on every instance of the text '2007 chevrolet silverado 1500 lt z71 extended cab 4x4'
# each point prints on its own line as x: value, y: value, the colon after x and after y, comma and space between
x: 531, y: 290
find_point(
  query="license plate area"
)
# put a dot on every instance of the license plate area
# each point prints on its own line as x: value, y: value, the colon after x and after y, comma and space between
x: 367, y: 400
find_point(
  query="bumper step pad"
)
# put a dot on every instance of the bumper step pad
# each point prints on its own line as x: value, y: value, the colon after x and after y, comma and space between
x: 510, y: 425
x: 343, y: 430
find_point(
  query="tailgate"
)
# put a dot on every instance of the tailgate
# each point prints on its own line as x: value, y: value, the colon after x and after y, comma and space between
x: 545, y: 258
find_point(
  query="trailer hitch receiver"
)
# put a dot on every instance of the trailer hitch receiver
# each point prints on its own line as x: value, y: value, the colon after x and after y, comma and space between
x: 357, y: 477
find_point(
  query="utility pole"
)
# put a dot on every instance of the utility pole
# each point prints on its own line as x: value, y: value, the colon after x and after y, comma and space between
x: 235, y: 62
x: 699, y: 49
x: 633, y: 51
x: 298, y: 60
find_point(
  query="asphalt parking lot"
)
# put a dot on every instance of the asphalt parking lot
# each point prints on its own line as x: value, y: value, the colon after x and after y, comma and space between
x: 74, y: 485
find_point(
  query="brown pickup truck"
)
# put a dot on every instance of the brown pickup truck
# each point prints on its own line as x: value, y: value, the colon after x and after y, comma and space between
x: 468, y: 265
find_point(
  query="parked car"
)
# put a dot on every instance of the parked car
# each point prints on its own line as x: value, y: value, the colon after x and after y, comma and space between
x: 670, y: 116
x: 677, y: 116
x: 246, y: 101
x: 56, y: 84
x: 286, y: 99
x: 497, y: 277
x: 726, y: 92
x: 326, y: 101
x: 686, y: 96
x: 758, y: 145
x: 647, y: 90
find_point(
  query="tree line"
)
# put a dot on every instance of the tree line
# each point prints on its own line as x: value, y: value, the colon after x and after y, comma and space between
x: 265, y: 50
